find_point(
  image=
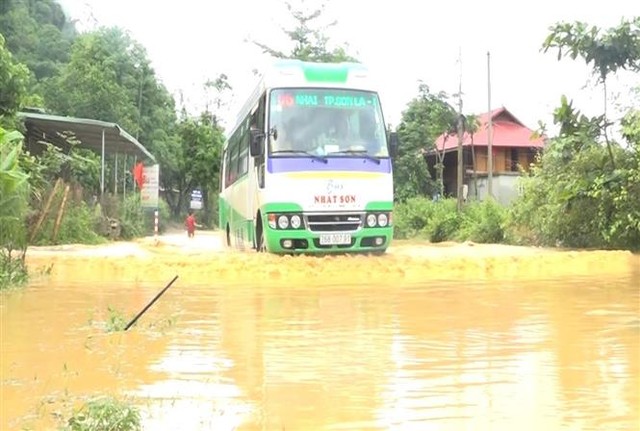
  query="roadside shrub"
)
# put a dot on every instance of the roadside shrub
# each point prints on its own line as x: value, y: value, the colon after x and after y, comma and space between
x: 421, y: 217
x: 577, y: 199
x: 105, y: 413
x: 77, y: 226
x: 411, y: 217
x: 444, y: 221
x: 482, y: 222
x: 440, y: 220
x: 131, y: 217
x: 13, y: 271
x: 14, y: 191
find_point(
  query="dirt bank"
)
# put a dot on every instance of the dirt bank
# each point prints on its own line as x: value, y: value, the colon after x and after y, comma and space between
x: 204, y: 259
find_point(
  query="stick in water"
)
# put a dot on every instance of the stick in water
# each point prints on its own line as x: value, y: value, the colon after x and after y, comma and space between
x: 151, y: 303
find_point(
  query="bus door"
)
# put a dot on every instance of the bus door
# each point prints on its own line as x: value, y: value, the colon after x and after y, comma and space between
x: 257, y: 166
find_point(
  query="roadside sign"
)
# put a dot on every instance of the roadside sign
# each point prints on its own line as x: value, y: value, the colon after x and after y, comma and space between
x: 150, y: 186
x: 196, y: 200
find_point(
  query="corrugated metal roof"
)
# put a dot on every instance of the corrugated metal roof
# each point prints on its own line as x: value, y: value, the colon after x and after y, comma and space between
x: 56, y: 129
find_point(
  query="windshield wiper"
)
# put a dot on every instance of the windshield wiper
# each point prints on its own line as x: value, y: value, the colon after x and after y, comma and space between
x: 307, y: 153
x: 359, y: 153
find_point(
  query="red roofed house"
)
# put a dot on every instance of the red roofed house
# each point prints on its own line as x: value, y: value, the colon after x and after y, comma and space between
x: 514, y: 146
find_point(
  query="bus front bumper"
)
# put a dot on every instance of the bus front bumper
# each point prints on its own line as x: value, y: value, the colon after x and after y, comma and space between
x: 302, y: 241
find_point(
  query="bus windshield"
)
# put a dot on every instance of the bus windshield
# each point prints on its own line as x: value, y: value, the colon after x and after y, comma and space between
x: 326, y: 122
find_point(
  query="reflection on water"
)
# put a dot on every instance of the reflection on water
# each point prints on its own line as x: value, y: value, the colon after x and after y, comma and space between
x: 552, y: 355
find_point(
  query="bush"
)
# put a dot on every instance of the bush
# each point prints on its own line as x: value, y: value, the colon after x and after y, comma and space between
x: 483, y: 222
x: 440, y: 220
x: 411, y: 217
x: 78, y: 226
x: 577, y: 199
x: 14, y: 191
x: 131, y: 217
x: 13, y: 271
x: 444, y: 222
x: 420, y: 217
x: 105, y: 413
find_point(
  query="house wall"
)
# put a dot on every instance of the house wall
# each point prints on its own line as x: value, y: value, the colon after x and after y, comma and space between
x: 505, y: 172
x: 505, y: 187
x: 502, y: 159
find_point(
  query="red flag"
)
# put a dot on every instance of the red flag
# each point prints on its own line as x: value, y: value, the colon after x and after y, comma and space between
x: 138, y: 174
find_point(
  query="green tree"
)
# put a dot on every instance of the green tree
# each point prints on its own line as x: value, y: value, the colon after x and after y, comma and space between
x: 13, y: 83
x: 38, y: 34
x: 194, y: 162
x: 13, y: 208
x: 309, y: 40
x: 110, y: 78
x: 427, y: 116
x: 607, y: 52
x: 583, y: 193
x: 101, y: 79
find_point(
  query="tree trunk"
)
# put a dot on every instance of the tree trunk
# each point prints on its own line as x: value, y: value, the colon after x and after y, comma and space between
x: 475, y: 171
x: 606, y: 135
x: 460, y: 167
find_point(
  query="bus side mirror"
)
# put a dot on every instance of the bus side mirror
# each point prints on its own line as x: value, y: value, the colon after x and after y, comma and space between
x: 393, y: 144
x: 256, y: 142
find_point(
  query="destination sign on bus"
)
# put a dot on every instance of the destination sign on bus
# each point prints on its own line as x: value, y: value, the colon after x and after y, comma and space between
x: 328, y: 100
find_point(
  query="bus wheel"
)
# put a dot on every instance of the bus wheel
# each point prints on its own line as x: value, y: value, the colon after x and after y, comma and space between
x: 261, y: 246
x: 228, y: 236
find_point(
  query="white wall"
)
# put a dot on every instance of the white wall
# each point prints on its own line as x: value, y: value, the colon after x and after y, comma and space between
x: 505, y: 187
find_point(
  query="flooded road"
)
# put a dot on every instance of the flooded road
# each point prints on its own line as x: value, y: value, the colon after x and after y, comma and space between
x: 424, y: 338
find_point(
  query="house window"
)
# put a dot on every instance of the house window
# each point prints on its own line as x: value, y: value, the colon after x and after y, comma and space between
x: 514, y: 160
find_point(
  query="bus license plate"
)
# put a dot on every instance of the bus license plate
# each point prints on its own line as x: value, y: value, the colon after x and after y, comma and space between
x: 335, y: 239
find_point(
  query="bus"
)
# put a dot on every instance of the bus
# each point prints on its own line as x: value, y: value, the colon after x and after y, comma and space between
x: 307, y: 166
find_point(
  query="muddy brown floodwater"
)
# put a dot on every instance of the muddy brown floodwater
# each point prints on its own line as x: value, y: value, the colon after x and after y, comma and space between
x: 448, y: 337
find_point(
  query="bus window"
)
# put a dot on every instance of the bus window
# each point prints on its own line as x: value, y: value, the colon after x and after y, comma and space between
x: 233, y: 161
x: 243, y: 154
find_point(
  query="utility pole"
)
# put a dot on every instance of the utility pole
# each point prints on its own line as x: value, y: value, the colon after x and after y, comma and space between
x: 490, y: 130
x: 139, y: 101
x: 460, y: 133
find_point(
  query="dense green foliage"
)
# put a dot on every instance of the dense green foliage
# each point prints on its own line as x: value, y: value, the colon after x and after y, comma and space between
x: 38, y: 33
x: 14, y: 189
x: 427, y: 116
x: 438, y: 221
x: 105, y: 413
x: 105, y: 75
x: 575, y: 197
x: 196, y: 163
x: 14, y: 78
x: 585, y: 190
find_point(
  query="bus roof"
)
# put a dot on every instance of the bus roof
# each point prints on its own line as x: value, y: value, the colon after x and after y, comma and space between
x: 297, y: 73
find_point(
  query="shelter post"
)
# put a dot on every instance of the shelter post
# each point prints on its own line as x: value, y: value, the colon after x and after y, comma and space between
x: 102, y: 167
x: 115, y: 175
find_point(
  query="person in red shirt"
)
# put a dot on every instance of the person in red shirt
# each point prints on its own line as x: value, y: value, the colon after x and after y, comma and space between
x: 190, y: 224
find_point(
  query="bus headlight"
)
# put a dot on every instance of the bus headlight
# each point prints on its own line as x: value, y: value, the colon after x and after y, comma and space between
x: 382, y: 220
x: 283, y: 222
x: 295, y: 221
x: 371, y: 220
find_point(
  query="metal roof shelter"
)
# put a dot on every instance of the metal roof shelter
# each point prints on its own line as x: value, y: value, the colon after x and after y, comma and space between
x: 100, y: 136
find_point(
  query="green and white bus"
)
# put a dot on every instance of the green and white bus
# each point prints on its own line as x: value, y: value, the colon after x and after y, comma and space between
x: 307, y: 166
